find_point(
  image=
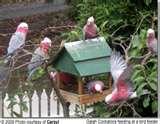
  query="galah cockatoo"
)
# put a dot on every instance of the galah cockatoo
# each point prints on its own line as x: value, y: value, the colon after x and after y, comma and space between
x: 18, y: 38
x: 151, y: 41
x: 90, y: 30
x: 41, y: 54
x: 121, y: 73
x: 95, y: 86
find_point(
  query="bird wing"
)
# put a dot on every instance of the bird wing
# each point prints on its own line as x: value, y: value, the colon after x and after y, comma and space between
x: 16, y: 42
x: 154, y: 45
x: 118, y: 65
x: 37, y: 59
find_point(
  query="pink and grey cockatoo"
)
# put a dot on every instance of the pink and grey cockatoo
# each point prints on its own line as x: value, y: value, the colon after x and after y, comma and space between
x: 90, y: 30
x: 41, y: 54
x: 18, y: 38
x: 151, y: 41
x: 121, y: 73
x: 95, y: 86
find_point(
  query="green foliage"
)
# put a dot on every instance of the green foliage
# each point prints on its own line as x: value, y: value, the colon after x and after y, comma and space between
x: 73, y: 35
x: 38, y: 73
x: 13, y: 101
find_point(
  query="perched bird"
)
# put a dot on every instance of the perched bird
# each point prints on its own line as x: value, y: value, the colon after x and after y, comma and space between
x: 41, y: 54
x: 151, y: 41
x: 121, y: 73
x: 90, y: 30
x: 95, y: 86
x: 18, y: 38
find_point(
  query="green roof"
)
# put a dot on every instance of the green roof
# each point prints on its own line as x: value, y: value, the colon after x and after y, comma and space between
x: 84, y: 58
x: 89, y: 49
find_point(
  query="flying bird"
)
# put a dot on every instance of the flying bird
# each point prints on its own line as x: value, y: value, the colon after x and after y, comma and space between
x: 41, y: 54
x: 151, y: 41
x: 121, y: 73
x: 90, y: 30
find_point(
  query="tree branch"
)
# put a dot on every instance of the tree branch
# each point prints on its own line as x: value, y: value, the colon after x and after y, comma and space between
x: 64, y: 103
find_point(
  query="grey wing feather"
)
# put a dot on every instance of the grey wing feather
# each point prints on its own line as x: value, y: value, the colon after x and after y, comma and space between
x: 15, y: 43
x: 36, y: 61
x: 155, y: 48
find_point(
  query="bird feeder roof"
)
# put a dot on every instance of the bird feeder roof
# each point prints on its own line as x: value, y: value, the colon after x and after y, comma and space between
x: 84, y: 58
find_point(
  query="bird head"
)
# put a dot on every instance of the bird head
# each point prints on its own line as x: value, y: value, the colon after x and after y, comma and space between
x: 150, y: 33
x: 90, y: 20
x: 45, y: 44
x: 22, y: 27
x: 98, y: 88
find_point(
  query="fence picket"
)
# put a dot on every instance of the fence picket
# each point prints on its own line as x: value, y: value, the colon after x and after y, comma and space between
x: 35, y: 103
x: 39, y: 104
x: 26, y: 99
x: 7, y: 112
x: 44, y: 104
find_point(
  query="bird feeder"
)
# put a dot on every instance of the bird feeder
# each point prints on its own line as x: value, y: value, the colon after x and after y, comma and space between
x: 84, y: 59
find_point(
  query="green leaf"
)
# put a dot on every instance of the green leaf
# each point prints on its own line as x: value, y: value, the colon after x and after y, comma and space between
x: 153, y: 86
x: 154, y: 60
x: 136, y: 74
x: 103, y: 25
x: 135, y: 41
x: 139, y: 79
x: 154, y: 106
x: 140, y: 88
x: 147, y: 2
x: 138, y: 66
x: 146, y: 102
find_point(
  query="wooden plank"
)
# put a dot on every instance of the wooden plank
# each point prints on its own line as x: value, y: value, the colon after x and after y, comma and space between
x: 85, y: 98
x: 94, y: 98
x: 22, y: 10
x: 70, y: 97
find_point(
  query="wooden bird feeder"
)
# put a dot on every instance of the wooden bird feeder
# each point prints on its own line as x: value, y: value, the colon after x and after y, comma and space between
x: 83, y: 59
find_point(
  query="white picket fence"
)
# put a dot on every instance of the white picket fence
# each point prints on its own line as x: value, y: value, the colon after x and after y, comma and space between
x: 38, y: 106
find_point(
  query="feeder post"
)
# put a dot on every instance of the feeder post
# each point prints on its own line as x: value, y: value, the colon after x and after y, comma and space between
x: 110, y: 80
x: 80, y: 86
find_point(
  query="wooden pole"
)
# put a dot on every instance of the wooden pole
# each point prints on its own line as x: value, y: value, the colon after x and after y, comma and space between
x: 80, y: 86
x: 65, y: 104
